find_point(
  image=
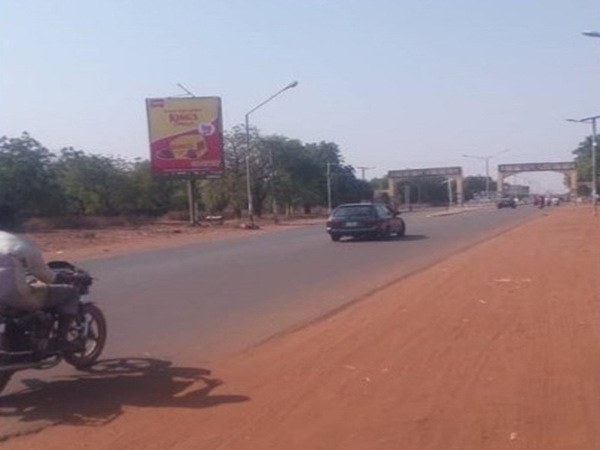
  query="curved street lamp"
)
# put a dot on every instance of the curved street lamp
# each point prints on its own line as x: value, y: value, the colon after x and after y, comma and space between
x: 292, y: 85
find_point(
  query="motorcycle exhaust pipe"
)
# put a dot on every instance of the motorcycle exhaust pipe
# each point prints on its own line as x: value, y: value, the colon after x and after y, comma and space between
x: 46, y: 364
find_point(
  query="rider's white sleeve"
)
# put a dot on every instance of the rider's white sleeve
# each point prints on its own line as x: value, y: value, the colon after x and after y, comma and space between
x: 34, y: 262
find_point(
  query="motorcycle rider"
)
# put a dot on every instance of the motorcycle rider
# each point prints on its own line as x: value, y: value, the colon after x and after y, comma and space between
x: 28, y: 284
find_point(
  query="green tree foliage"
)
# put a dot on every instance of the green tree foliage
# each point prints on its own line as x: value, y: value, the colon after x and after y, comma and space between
x: 38, y: 182
x: 29, y: 181
x: 477, y: 184
x: 583, y: 159
x: 95, y: 184
x: 431, y: 190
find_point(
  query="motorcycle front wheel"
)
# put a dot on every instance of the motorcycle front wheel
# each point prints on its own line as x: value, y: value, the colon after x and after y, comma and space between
x: 4, y: 379
x: 92, y: 330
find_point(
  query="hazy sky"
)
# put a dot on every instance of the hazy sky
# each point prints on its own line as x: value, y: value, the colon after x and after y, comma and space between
x: 396, y: 83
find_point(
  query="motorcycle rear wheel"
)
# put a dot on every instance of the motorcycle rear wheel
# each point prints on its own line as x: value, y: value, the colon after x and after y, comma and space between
x: 94, y: 340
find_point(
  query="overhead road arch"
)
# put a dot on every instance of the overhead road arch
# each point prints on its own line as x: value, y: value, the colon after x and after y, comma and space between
x: 452, y: 174
x: 566, y: 168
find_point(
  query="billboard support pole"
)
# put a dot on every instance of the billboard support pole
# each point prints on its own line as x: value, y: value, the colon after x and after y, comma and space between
x: 191, y: 184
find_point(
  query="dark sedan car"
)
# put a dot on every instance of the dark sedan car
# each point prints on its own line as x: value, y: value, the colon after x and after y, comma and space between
x: 506, y: 202
x: 365, y: 220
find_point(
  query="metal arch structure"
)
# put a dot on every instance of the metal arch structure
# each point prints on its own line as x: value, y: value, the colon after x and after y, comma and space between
x: 566, y: 168
x: 452, y: 174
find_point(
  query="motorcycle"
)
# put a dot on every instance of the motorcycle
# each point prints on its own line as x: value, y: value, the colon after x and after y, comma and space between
x: 28, y: 339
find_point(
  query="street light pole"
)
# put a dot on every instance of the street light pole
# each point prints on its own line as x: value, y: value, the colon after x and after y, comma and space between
x: 594, y: 169
x: 293, y: 84
x: 487, y: 168
x: 272, y: 186
x: 329, y: 187
x: 248, y: 181
x: 592, y: 121
x: 593, y: 34
x: 487, y: 177
x: 363, y: 169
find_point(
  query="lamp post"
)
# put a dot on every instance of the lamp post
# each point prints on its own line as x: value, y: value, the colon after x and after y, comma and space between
x: 363, y: 169
x: 487, y: 168
x: 329, y: 188
x: 293, y: 84
x: 593, y: 34
x: 592, y: 120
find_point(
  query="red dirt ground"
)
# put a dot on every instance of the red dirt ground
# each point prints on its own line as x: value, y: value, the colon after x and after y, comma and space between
x: 494, y: 348
x: 77, y: 245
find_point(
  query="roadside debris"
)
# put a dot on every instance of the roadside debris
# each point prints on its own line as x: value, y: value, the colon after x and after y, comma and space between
x: 503, y: 280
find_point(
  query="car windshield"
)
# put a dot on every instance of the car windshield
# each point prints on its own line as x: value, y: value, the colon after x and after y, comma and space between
x: 354, y: 211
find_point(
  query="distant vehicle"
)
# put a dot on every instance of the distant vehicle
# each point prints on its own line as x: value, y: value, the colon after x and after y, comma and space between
x: 506, y: 202
x: 374, y: 220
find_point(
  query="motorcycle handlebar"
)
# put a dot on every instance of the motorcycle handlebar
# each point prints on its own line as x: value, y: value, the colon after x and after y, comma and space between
x: 69, y: 274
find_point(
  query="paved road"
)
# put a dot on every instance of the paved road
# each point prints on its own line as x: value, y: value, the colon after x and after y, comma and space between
x: 189, y: 304
x: 205, y: 299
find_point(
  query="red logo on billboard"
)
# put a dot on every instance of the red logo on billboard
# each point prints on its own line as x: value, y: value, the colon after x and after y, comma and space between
x: 183, y: 119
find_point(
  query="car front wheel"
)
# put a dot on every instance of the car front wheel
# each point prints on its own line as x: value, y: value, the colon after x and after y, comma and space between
x: 402, y: 230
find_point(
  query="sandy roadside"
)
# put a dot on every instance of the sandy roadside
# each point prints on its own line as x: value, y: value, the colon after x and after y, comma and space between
x: 79, y: 245
x: 495, y: 348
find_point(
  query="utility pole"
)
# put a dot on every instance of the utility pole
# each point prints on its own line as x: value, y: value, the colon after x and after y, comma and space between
x: 487, y: 170
x: 329, y: 187
x: 272, y: 185
x: 592, y: 121
x: 191, y: 191
x: 363, y: 169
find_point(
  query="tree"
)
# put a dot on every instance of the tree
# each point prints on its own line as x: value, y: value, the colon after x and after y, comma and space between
x: 296, y: 176
x: 150, y: 194
x: 233, y: 184
x: 476, y: 184
x: 583, y: 159
x: 95, y: 184
x: 431, y: 190
x: 379, y: 184
x: 75, y: 182
x: 29, y: 178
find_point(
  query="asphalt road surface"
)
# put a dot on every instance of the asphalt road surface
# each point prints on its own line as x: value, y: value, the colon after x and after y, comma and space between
x: 207, y: 299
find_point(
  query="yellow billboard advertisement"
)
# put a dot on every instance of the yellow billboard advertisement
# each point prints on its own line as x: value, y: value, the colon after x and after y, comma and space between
x: 186, y: 136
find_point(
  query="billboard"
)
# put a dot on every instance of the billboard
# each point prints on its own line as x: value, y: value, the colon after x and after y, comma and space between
x: 186, y: 136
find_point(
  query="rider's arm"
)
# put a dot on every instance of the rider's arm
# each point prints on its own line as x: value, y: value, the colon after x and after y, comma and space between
x: 34, y: 262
